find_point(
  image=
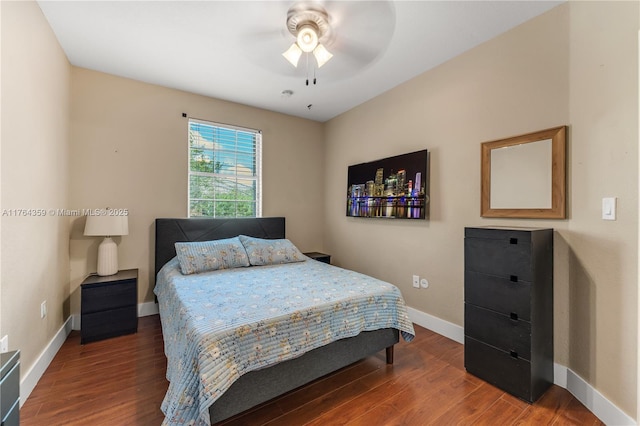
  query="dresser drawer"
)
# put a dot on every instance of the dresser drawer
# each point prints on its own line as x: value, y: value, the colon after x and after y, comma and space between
x: 498, y: 368
x: 10, y: 390
x: 12, y: 418
x: 115, y: 322
x: 498, y: 294
x: 512, y: 336
x: 502, y: 258
x: 104, y: 296
x: 522, y: 235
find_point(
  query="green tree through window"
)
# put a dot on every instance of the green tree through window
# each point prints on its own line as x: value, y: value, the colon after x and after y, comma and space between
x: 224, y: 170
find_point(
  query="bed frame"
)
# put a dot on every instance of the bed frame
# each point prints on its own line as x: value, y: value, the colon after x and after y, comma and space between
x: 260, y: 386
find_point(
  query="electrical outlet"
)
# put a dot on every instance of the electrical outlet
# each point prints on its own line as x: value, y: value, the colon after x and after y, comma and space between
x: 424, y: 283
x: 43, y: 309
x: 4, y: 344
x: 416, y: 281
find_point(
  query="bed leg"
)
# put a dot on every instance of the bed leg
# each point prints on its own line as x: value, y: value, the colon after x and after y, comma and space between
x: 390, y: 355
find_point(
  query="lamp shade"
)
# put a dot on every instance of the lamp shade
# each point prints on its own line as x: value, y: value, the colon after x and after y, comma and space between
x: 105, y: 225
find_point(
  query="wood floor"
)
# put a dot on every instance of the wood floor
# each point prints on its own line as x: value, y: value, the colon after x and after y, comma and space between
x: 121, y: 381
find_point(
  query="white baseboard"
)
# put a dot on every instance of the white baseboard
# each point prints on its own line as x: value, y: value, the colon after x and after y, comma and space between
x: 595, y: 402
x: 147, y: 308
x: 560, y: 375
x: 604, y: 409
x: 30, y: 378
x: 440, y: 326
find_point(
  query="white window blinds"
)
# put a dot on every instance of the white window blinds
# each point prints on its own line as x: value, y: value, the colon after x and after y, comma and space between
x: 224, y: 170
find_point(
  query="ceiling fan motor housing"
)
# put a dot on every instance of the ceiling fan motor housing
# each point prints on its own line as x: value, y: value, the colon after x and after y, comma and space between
x: 304, y: 16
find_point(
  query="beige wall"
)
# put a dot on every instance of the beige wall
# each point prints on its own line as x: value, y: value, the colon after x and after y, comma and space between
x: 575, y: 65
x: 36, y: 78
x: 129, y: 150
x: 602, y: 256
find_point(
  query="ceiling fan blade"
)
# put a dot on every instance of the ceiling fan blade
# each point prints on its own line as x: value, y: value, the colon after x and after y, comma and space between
x: 266, y: 34
x: 267, y: 20
x: 353, y: 50
x: 361, y: 30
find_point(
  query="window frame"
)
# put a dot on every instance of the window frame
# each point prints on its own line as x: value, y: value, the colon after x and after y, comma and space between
x: 257, y: 153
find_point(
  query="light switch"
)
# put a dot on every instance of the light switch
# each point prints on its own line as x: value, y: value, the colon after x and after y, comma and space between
x: 609, y: 208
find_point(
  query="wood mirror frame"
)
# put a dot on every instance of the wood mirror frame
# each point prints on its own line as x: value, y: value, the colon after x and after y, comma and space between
x: 557, y: 135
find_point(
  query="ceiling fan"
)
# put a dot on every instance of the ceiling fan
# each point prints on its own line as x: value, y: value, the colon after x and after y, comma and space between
x: 342, y: 37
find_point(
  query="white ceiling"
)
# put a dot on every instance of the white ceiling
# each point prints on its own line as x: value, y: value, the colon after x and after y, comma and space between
x: 231, y: 50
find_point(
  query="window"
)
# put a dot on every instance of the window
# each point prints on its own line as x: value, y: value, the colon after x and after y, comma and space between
x: 224, y: 170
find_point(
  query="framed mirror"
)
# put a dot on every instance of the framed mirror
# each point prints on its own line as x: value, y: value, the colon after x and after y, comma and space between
x: 524, y: 176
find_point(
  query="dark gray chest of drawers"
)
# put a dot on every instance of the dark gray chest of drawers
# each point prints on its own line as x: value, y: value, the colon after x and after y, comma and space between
x: 508, y: 308
x: 10, y: 388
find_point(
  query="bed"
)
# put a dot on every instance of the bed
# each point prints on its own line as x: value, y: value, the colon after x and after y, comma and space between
x: 207, y: 384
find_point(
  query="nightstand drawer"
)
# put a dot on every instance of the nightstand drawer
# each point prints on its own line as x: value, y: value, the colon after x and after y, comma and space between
x: 104, y: 296
x: 498, y: 294
x: 503, y: 258
x: 498, y: 368
x: 115, y: 322
x: 492, y: 328
x: 320, y: 257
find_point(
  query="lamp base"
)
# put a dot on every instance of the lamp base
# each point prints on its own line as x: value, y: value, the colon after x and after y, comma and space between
x: 107, y: 257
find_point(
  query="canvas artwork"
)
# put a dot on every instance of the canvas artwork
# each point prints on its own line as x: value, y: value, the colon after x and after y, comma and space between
x: 394, y: 187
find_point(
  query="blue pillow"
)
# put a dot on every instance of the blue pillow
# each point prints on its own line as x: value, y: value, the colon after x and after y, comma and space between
x: 270, y: 252
x: 211, y: 255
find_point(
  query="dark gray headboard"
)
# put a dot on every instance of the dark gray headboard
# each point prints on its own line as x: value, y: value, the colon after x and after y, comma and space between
x: 171, y: 231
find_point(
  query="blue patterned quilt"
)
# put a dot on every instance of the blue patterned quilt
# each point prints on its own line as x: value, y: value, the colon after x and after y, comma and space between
x: 222, y: 324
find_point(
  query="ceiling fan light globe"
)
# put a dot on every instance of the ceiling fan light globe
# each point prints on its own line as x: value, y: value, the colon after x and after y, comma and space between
x: 293, y: 54
x: 307, y: 38
x: 322, y: 55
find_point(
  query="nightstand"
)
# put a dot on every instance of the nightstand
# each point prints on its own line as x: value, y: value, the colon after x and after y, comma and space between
x: 109, y: 305
x: 320, y: 257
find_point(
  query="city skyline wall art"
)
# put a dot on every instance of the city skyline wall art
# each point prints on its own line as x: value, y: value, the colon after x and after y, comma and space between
x: 394, y: 187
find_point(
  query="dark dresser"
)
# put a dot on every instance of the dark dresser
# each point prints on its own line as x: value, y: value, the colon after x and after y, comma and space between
x: 508, y: 308
x: 10, y: 388
x: 109, y: 305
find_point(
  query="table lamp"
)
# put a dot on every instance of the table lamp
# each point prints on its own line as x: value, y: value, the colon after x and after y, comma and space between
x: 107, y: 226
